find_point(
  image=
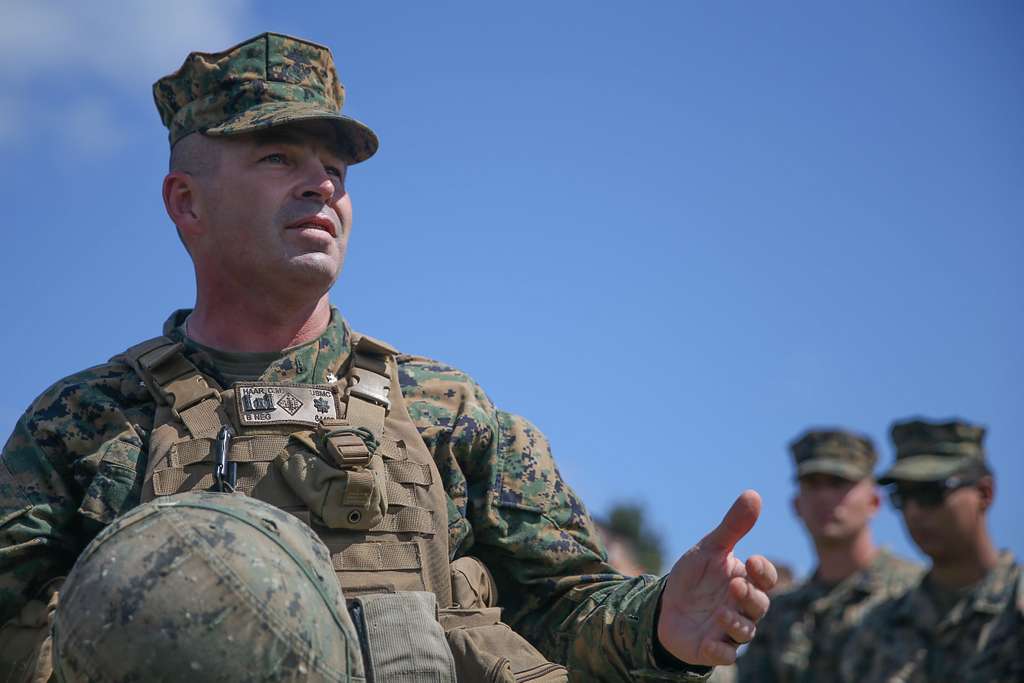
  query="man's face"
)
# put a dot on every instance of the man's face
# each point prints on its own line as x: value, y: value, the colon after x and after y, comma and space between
x: 835, y: 509
x: 274, y: 211
x: 945, y: 524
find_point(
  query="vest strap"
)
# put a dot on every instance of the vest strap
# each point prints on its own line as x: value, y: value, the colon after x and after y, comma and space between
x: 375, y: 557
x: 177, y: 383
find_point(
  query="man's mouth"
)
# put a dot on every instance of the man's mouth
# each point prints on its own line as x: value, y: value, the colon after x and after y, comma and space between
x: 317, y: 222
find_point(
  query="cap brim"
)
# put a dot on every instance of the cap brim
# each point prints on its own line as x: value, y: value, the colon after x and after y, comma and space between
x: 359, y: 141
x: 836, y: 468
x: 923, y: 468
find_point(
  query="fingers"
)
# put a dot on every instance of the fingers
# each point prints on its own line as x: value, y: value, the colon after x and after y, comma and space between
x: 737, y: 522
x: 749, y: 600
x: 762, y: 572
x: 717, y: 653
x: 736, y: 626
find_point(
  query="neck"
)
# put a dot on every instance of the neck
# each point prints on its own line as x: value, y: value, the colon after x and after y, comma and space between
x: 249, y: 325
x: 967, y: 568
x: 838, y: 560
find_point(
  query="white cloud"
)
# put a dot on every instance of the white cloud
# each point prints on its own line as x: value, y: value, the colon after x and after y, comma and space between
x: 112, y: 47
x: 122, y: 42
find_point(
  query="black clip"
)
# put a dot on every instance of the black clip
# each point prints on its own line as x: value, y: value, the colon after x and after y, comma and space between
x: 225, y: 472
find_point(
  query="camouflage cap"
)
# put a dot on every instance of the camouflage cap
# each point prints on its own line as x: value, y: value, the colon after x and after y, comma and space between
x: 834, y: 451
x: 268, y: 80
x: 931, y: 451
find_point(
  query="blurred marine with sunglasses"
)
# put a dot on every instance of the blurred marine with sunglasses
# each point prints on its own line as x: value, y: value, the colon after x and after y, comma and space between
x: 965, y: 620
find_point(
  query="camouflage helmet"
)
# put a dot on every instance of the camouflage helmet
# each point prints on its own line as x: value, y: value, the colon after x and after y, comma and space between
x: 268, y: 80
x: 205, y: 586
x: 932, y: 451
x: 838, y: 452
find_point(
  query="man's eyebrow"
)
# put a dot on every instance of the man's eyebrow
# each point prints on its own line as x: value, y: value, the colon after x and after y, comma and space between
x: 286, y: 137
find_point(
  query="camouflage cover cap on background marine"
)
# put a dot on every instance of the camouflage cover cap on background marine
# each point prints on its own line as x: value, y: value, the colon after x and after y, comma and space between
x: 930, y: 451
x: 266, y: 81
x: 834, y: 451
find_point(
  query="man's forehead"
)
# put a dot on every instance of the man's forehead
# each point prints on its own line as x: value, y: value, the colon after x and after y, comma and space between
x: 316, y: 133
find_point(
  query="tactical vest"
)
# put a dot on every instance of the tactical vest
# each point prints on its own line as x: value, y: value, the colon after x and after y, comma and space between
x: 345, y: 458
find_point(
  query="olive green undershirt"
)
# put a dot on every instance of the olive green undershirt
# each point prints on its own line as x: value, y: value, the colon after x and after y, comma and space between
x: 241, y: 366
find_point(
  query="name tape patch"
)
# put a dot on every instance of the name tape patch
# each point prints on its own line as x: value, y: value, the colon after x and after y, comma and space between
x: 268, y: 404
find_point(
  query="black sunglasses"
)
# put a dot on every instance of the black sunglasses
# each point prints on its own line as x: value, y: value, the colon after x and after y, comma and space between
x: 929, y: 494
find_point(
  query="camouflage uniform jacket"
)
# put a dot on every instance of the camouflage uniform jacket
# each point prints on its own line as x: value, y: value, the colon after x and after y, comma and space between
x: 980, y: 640
x: 801, y: 638
x: 77, y: 457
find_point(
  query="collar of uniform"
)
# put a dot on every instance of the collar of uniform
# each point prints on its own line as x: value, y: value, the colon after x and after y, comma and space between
x: 991, y: 595
x: 315, y: 362
x: 873, y: 578
x: 866, y: 580
x: 988, y: 596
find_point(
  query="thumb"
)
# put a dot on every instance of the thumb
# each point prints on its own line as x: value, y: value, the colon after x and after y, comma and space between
x: 737, y: 522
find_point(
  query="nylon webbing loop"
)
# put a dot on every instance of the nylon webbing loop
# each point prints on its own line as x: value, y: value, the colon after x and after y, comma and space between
x: 261, y: 448
x: 408, y: 472
x: 359, y: 489
x: 376, y: 557
x: 412, y: 519
x: 170, y: 481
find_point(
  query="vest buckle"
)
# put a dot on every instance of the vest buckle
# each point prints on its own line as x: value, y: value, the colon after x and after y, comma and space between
x: 369, y: 386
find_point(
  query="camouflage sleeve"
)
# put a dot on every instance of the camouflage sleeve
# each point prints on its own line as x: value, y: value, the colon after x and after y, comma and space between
x: 66, y: 470
x: 512, y: 509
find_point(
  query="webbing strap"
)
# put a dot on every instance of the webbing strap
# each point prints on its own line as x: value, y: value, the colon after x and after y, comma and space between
x: 359, y: 489
x: 202, y: 419
x: 389, y: 449
x: 169, y: 481
x: 413, y: 519
x: 409, y: 472
x: 261, y: 448
x: 368, y: 386
x: 177, y: 382
x: 399, y: 495
x: 365, y: 414
x: 376, y: 557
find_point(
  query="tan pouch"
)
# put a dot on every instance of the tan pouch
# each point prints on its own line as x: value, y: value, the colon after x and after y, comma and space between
x: 488, y: 651
x: 342, y: 499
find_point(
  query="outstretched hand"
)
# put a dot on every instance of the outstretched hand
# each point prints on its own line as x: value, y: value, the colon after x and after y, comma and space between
x: 712, y: 599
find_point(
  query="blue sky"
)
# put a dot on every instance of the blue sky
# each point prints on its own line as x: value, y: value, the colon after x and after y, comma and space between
x: 674, y: 235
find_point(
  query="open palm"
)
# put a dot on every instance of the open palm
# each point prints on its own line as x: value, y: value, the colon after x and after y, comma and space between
x: 712, y: 600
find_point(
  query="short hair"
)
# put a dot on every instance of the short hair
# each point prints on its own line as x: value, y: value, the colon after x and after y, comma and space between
x: 195, y: 154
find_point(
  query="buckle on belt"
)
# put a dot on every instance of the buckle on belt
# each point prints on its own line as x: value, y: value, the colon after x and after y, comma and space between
x: 369, y: 386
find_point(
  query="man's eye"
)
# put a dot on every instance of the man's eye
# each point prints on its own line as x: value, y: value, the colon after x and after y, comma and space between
x: 334, y: 170
x: 275, y: 158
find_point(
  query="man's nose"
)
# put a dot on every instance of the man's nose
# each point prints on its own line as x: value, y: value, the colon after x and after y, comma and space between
x: 317, y: 183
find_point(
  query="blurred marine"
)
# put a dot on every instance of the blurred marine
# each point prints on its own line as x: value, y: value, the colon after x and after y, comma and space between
x: 803, y: 635
x: 964, y: 621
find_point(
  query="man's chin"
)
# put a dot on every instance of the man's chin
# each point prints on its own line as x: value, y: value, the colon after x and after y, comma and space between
x: 314, y: 272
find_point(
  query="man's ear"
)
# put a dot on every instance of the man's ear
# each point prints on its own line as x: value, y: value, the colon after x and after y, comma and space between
x: 876, y: 498
x: 181, y: 202
x: 795, y: 502
x: 986, y: 491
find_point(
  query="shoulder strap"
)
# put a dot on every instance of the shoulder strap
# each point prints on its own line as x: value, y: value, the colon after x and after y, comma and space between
x: 176, y: 382
x: 368, y: 384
